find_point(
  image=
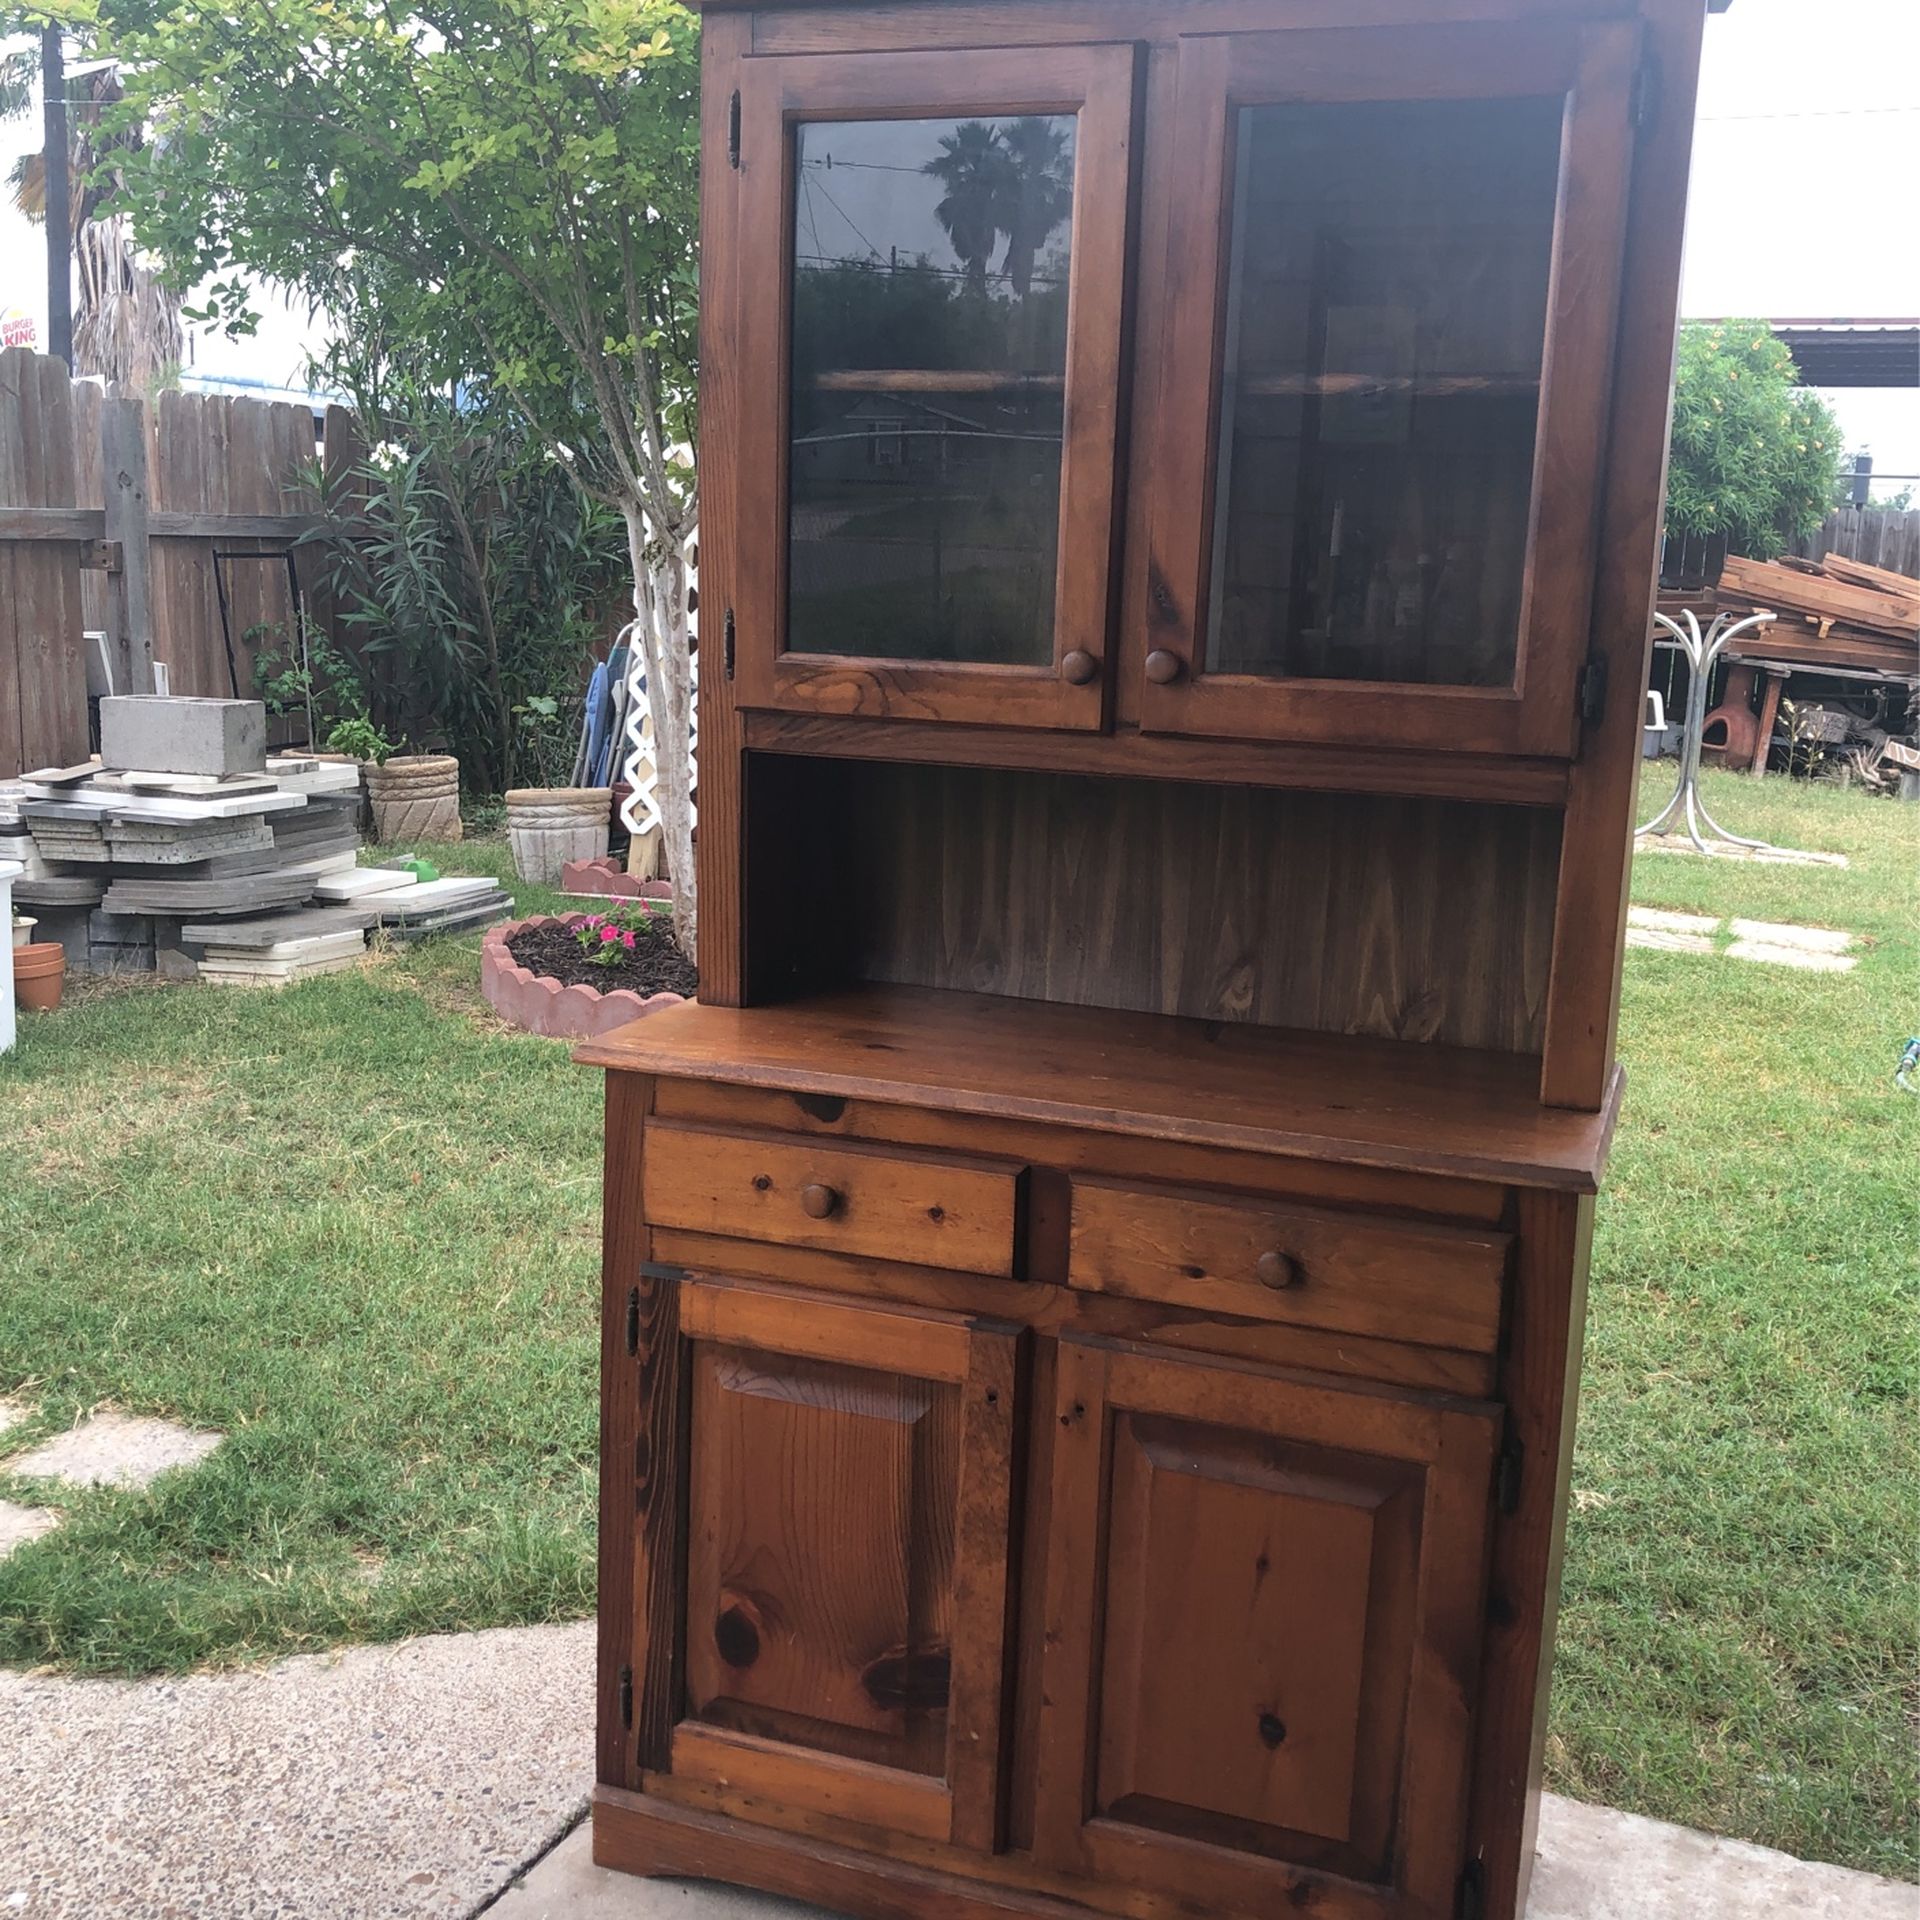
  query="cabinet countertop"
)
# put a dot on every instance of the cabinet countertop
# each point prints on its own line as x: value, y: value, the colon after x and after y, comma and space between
x: 1358, y: 1101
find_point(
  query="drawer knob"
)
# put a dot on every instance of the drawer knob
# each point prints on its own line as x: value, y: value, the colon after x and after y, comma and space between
x: 1277, y: 1270
x: 1163, y: 668
x: 817, y: 1201
x: 1078, y: 668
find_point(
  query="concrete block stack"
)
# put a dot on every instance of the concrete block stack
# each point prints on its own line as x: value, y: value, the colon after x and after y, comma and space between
x: 186, y: 850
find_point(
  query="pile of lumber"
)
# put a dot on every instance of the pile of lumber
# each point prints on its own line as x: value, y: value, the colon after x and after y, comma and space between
x: 1834, y: 612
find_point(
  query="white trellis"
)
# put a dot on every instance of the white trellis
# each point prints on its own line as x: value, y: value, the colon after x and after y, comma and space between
x: 641, y: 809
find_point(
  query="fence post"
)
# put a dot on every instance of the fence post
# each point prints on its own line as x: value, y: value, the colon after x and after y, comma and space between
x: 123, y: 464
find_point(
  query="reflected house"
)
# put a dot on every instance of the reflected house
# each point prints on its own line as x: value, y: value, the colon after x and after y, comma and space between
x: 900, y: 437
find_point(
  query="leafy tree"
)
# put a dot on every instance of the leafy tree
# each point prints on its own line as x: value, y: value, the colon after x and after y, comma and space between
x: 510, y: 184
x: 1754, y: 453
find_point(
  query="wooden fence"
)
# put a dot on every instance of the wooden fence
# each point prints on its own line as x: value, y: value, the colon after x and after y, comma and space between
x: 136, y: 520
x: 1877, y: 535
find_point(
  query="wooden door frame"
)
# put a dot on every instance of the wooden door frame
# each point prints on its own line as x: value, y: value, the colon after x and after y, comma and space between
x: 1594, y: 65
x: 1453, y: 1440
x: 1096, y: 82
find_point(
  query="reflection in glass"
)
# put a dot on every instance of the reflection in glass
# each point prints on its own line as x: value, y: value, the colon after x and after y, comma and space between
x: 1386, y: 307
x: 929, y: 380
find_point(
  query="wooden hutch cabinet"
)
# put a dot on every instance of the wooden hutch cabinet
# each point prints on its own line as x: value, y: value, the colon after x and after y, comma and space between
x: 1094, y: 1286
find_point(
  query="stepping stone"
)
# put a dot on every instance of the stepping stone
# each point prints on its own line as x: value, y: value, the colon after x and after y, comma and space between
x: 1775, y: 934
x: 114, y: 1450
x: 1665, y: 932
x: 19, y: 1524
x: 1804, y: 958
x: 12, y: 1413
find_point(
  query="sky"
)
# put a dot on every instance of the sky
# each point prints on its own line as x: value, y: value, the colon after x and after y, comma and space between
x: 1805, y: 199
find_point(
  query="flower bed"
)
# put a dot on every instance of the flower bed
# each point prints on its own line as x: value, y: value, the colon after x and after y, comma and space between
x: 564, y: 1009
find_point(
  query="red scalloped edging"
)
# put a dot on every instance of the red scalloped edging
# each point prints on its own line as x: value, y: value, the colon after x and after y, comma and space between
x: 541, y: 1004
x: 608, y: 878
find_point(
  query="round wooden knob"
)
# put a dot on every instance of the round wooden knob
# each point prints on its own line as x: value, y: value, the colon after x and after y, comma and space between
x: 1078, y: 667
x: 1275, y: 1269
x: 1163, y: 668
x: 816, y: 1201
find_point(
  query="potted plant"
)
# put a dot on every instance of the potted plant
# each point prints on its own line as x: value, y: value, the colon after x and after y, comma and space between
x: 414, y: 796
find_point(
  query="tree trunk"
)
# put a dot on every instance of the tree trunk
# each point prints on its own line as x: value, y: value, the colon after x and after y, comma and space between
x: 662, y: 631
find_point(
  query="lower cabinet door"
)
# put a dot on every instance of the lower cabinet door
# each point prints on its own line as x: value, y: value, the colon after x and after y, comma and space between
x: 847, y: 1486
x: 1263, y: 1617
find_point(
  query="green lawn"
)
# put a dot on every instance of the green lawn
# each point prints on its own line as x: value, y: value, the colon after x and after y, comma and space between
x: 354, y: 1227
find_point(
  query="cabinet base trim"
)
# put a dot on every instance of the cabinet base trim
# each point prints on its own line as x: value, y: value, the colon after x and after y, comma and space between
x: 635, y: 1834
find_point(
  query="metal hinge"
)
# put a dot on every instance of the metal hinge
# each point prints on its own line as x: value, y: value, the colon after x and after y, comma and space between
x: 626, y: 1696
x: 1506, y: 1474
x: 1593, y: 690
x: 1646, y: 91
x: 1470, y: 1899
x: 726, y: 643
x: 633, y: 1320
x: 733, y: 129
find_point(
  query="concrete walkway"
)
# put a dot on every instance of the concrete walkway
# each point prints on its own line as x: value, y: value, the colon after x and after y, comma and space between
x: 432, y: 1781
x: 1594, y: 1865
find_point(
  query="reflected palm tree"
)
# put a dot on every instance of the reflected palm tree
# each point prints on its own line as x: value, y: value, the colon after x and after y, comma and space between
x: 974, y: 168
x: 1037, y: 192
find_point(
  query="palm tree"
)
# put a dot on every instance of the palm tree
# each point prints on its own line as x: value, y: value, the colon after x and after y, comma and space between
x: 973, y: 168
x: 1037, y: 192
x: 127, y: 325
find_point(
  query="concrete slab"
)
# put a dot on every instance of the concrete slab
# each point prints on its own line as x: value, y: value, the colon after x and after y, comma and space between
x: 113, y: 1450
x: 20, y: 1524
x: 1774, y: 933
x: 385, y: 1783
x: 1802, y: 957
x: 1594, y: 1864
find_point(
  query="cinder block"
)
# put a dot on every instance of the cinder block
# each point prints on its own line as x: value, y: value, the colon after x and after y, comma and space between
x: 68, y: 925
x: 156, y: 733
x: 119, y: 929
x: 115, y: 958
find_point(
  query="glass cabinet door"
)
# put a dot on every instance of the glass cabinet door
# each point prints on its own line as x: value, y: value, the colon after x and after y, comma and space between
x: 1393, y: 261
x: 927, y: 444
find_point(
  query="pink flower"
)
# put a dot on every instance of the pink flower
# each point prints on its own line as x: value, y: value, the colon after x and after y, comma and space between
x: 626, y: 940
x: 608, y: 933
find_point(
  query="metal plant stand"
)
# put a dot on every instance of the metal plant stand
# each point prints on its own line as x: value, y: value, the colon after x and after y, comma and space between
x: 1702, y: 651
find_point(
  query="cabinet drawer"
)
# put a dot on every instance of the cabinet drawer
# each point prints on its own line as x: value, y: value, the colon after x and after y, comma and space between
x: 932, y: 1210
x: 1395, y: 1280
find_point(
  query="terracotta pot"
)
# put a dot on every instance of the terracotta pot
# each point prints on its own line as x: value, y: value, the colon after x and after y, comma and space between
x: 39, y: 974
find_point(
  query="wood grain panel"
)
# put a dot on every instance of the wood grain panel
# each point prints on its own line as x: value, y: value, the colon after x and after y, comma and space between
x: 1410, y: 919
x: 1261, y: 1631
x: 820, y: 1555
x: 1346, y: 1272
x: 849, y: 1489
x: 945, y: 1212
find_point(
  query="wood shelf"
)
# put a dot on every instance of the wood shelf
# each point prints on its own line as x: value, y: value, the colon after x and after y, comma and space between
x: 1426, y: 386
x: 1449, y: 1111
x: 933, y: 380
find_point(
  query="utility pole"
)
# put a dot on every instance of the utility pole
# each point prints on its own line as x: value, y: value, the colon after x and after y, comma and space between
x: 58, y: 172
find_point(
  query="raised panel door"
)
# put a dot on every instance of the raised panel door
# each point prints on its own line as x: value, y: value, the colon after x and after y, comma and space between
x: 1261, y: 1639
x: 846, y: 1487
